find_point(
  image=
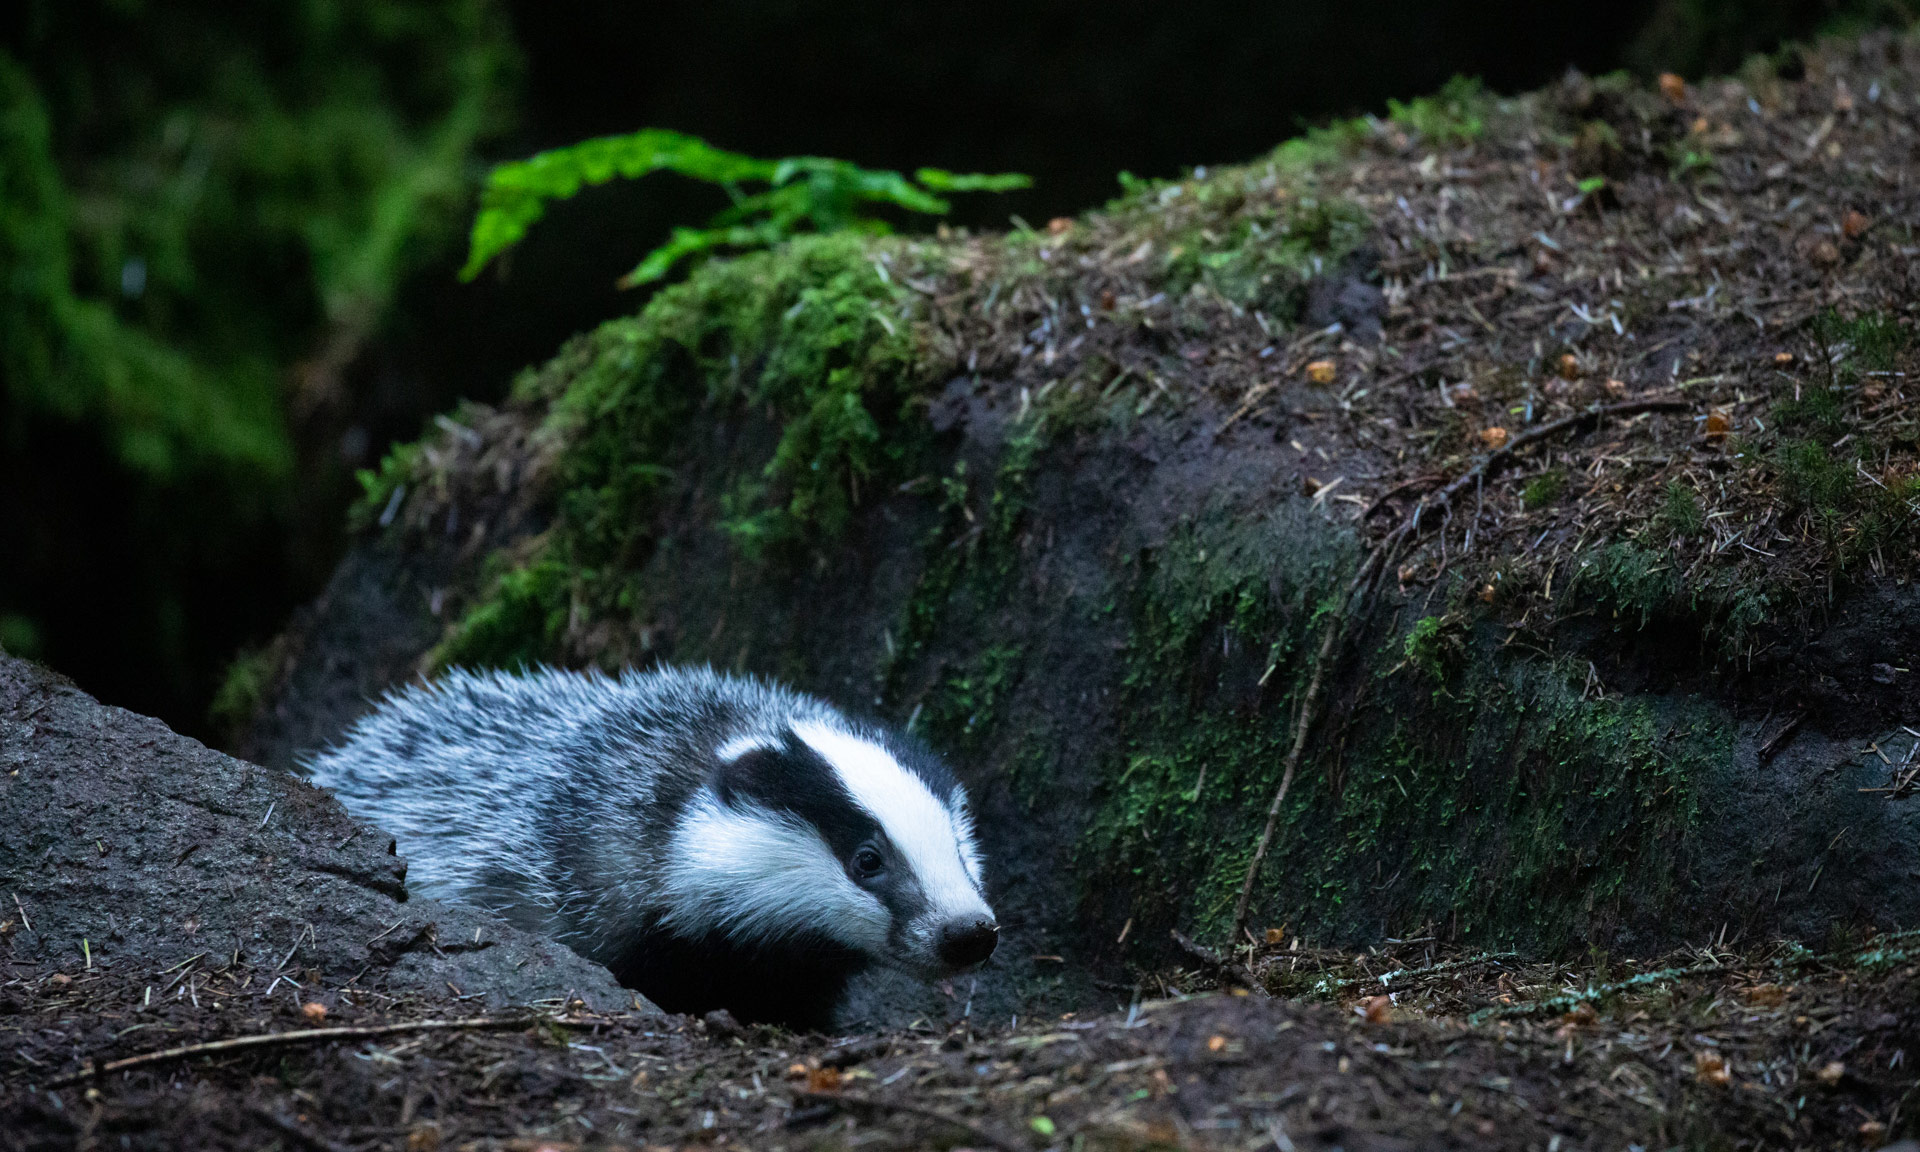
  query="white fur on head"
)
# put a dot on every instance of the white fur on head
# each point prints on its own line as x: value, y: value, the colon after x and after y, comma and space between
x: 758, y: 876
x: 936, y: 842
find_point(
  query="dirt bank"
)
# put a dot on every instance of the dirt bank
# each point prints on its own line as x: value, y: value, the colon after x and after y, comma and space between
x: 1603, y: 390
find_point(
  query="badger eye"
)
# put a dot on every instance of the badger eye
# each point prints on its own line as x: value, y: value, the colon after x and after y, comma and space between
x: 867, y: 862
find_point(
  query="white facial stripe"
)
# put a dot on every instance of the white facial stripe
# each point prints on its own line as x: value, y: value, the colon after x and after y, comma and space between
x: 936, y: 845
x: 760, y: 876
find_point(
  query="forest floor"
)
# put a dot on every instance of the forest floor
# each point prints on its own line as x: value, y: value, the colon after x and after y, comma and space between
x: 1404, y: 1047
x: 1691, y: 308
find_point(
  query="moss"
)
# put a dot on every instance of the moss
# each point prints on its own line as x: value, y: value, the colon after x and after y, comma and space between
x: 1544, y: 489
x: 378, y: 486
x: 1435, y: 645
x: 522, y: 620
x: 1868, y: 342
x: 1641, y: 588
x: 818, y: 336
x: 1511, y: 807
x: 1454, y: 115
x: 1218, y: 619
x: 1254, y: 234
x: 243, y: 687
x: 1680, y: 513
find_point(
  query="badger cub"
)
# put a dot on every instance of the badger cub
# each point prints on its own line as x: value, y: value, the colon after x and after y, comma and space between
x: 716, y: 842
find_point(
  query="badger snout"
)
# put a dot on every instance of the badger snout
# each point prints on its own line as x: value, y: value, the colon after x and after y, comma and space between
x: 967, y: 941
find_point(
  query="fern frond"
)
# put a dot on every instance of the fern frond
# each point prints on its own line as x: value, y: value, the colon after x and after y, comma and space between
x: 804, y: 193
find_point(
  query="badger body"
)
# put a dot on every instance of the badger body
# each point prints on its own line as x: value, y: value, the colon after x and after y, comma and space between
x: 717, y: 842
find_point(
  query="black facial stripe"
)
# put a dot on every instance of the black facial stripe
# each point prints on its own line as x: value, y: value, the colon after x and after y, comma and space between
x: 794, y: 778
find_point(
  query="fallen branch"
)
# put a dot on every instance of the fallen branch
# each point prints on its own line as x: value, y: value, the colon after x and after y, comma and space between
x: 1219, y: 965
x: 281, y: 1039
x: 875, y: 1104
x: 1360, y: 593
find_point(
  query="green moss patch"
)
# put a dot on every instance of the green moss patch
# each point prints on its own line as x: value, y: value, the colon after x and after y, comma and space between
x: 818, y: 337
x: 1506, y: 799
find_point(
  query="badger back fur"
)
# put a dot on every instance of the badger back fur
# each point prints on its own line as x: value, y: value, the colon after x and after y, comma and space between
x: 717, y: 842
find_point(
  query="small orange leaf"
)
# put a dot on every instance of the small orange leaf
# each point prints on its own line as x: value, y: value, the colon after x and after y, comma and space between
x: 1216, y: 1043
x: 1495, y: 437
x: 1486, y: 594
x: 1854, y: 223
x: 1616, y: 387
x: 823, y: 1080
x: 1276, y: 935
x: 1718, y: 425
x: 1673, y: 87
x: 1060, y: 225
x: 314, y: 1010
x: 1766, y: 995
x: 1580, y: 1015
x: 1711, y: 1068
x: 796, y: 1070
x: 1321, y: 371
x: 1783, y: 358
x: 1569, y: 366
x: 1375, y: 1009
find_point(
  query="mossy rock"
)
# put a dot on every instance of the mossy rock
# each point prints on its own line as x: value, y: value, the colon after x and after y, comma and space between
x: 1078, y: 506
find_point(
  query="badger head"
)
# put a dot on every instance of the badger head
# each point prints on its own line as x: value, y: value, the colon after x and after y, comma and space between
x: 821, y: 830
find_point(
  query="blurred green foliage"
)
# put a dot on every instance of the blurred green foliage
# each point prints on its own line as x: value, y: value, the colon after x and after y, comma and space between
x: 190, y: 194
x: 206, y: 210
x: 803, y: 194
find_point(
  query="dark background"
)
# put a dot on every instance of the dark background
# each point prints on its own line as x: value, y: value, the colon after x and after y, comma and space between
x: 122, y: 593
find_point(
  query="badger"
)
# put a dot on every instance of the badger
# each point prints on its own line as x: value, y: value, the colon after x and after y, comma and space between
x: 715, y: 841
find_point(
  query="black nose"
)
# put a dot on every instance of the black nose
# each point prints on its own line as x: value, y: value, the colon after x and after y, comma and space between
x: 964, y: 942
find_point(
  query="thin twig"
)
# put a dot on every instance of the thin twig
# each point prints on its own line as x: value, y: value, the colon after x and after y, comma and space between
x: 1236, y: 973
x: 277, y: 1039
x: 1360, y: 592
x: 875, y: 1104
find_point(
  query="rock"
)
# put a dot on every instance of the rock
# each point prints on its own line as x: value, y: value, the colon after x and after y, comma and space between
x: 128, y: 846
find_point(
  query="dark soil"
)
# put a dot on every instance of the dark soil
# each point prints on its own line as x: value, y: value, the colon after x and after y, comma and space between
x: 1752, y: 1055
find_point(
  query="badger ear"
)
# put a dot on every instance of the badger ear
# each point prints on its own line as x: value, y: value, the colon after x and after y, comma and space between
x: 743, y: 769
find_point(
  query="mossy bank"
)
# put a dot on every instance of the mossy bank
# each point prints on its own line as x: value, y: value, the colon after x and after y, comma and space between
x: 1077, y: 504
